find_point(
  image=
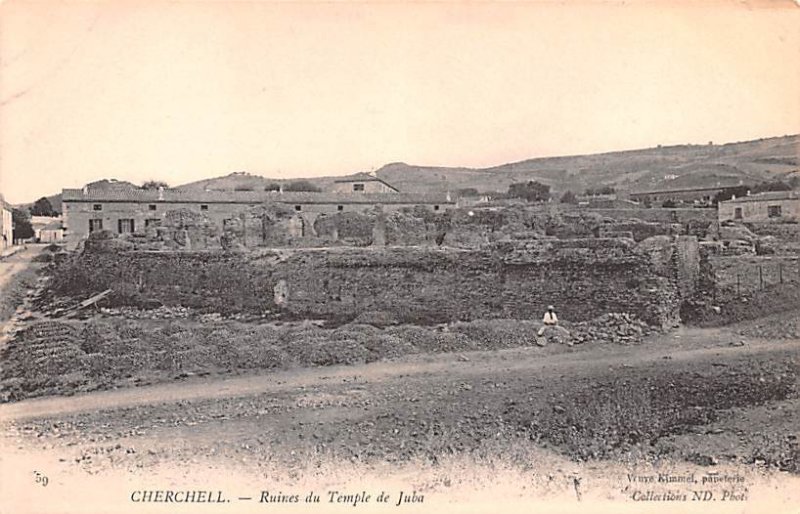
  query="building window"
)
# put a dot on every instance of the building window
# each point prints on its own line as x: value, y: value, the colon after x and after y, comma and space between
x: 204, y: 207
x: 97, y: 207
x: 151, y: 207
x: 125, y: 226
x: 358, y: 187
x: 298, y: 208
x: 152, y: 222
x: 95, y: 225
x: 737, y: 213
x: 774, y: 211
x: 340, y: 207
x: 435, y: 207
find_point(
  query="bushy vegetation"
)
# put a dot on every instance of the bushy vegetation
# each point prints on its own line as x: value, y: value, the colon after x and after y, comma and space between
x: 22, y: 224
x: 531, y: 191
x: 301, y: 185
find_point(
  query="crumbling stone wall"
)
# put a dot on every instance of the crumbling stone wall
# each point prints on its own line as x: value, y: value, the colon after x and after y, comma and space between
x: 277, y: 225
x: 186, y: 229
x: 658, y: 215
x: 639, y: 230
x: 472, y: 228
x: 686, y: 262
x: 776, y: 238
x: 514, y: 278
x: 784, y: 231
x: 269, y: 224
x: 346, y: 228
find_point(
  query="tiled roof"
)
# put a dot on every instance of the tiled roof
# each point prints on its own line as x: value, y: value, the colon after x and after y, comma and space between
x: 359, y: 177
x: 248, y: 197
x: 53, y: 225
x: 766, y: 197
x: 364, y: 177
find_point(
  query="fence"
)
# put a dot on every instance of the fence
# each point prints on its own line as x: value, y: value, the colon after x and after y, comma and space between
x: 744, y: 275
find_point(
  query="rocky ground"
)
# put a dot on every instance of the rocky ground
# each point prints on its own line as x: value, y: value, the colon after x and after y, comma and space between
x: 122, y: 348
x: 552, y: 418
x: 470, y: 416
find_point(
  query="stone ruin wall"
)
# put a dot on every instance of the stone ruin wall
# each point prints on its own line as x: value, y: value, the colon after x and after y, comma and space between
x: 278, y: 226
x: 508, y: 279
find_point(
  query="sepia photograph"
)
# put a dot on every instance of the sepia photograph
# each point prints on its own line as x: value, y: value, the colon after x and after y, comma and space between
x: 374, y: 257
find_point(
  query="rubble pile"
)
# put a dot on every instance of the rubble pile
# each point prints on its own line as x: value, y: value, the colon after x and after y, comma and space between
x: 495, y: 334
x: 614, y: 327
x: 162, y: 312
x: 174, y: 312
x: 40, y: 357
x: 425, y: 340
x: 65, y: 357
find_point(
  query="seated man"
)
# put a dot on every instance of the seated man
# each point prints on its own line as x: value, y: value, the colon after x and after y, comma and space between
x: 550, y: 321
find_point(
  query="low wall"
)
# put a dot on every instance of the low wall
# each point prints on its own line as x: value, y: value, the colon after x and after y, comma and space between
x: 512, y: 279
x: 784, y: 231
x: 659, y: 215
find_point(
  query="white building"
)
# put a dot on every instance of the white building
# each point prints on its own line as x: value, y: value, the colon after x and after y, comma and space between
x: 772, y: 206
x: 6, y: 226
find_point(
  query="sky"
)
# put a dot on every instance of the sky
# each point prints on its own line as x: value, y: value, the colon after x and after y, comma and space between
x: 185, y: 91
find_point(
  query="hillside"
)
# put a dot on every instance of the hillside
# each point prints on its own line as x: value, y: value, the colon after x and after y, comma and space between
x: 238, y: 180
x: 668, y: 167
x: 673, y: 167
x: 55, y: 201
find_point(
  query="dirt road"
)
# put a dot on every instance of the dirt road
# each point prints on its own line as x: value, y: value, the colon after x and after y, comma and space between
x: 456, y: 366
x: 17, y: 277
x: 13, y: 264
x: 536, y: 423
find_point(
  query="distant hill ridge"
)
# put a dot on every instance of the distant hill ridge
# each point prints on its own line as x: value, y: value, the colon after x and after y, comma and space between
x: 649, y: 169
x: 668, y: 167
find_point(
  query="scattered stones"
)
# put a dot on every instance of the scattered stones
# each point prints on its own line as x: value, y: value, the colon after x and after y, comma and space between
x: 614, y: 327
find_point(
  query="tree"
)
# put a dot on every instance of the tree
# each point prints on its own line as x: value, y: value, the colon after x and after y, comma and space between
x: 301, y: 185
x: 531, y: 191
x: 605, y: 190
x: 467, y: 191
x: 22, y: 225
x: 774, y: 185
x: 730, y: 192
x: 43, y: 207
x: 274, y: 186
x: 569, y: 197
x: 154, y: 184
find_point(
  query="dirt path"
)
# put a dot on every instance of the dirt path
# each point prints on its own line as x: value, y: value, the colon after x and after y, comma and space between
x: 451, y: 425
x: 17, y: 272
x: 13, y: 264
x: 454, y: 366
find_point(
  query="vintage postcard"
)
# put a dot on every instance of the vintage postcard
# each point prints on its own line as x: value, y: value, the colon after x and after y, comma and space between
x: 383, y: 257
